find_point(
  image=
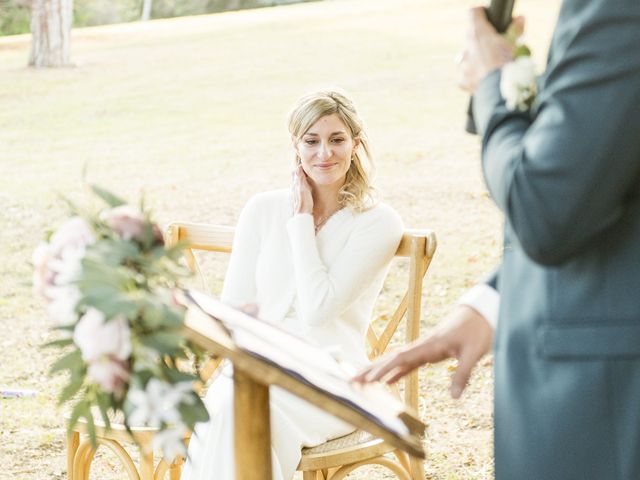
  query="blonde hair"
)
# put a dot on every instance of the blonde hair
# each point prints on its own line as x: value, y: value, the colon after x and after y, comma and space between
x: 358, y: 191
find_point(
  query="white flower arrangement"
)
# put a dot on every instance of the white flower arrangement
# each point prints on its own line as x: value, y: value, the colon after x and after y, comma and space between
x: 518, y: 84
x: 107, y: 280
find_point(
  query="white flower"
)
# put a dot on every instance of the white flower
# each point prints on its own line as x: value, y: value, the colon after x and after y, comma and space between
x: 158, y: 403
x: 67, y: 265
x: 97, y: 337
x: 109, y: 373
x: 171, y: 442
x: 59, y: 262
x: 518, y: 83
x: 62, y: 308
x: 74, y: 233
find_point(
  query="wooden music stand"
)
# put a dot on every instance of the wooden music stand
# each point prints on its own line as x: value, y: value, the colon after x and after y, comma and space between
x: 213, y: 326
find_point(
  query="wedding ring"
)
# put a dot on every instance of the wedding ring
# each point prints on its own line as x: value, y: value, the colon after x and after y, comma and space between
x: 458, y: 58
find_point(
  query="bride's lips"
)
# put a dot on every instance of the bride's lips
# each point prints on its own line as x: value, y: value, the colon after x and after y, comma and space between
x: 325, y: 166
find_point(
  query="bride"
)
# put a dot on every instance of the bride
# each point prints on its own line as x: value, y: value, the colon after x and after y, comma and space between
x: 313, y: 258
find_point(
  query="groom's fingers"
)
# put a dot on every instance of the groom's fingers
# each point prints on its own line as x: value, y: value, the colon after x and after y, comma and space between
x: 466, y: 362
x: 379, y: 369
x: 395, y: 374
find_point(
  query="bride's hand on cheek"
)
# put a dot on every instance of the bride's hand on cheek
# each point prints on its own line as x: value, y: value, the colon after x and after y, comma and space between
x: 302, y: 198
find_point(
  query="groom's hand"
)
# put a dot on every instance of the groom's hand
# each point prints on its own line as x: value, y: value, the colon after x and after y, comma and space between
x: 465, y: 335
x: 484, y: 49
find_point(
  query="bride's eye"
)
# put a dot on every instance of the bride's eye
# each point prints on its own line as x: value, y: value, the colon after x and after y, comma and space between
x: 310, y: 142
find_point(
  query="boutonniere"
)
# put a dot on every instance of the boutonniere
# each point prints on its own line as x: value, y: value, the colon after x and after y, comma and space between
x: 518, y: 84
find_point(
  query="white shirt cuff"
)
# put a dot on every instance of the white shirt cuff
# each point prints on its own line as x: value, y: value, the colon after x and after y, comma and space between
x: 484, y: 299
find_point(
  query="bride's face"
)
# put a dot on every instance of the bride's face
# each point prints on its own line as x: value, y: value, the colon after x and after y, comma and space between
x: 325, y: 150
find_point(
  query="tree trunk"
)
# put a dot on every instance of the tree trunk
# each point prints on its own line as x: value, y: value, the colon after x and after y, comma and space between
x: 51, y: 22
x: 146, y: 10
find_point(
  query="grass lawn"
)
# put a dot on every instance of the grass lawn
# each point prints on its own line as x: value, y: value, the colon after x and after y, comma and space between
x: 190, y: 112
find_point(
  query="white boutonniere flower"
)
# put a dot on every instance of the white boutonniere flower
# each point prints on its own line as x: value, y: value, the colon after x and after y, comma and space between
x: 518, y: 84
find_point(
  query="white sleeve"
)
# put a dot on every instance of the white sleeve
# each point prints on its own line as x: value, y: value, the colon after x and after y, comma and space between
x: 324, y: 293
x: 240, y: 280
x: 484, y: 299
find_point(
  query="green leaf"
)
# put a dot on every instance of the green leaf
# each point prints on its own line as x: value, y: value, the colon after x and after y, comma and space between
x: 521, y: 51
x: 156, y: 314
x: 176, y: 376
x: 192, y: 414
x: 98, y: 269
x: 109, y: 198
x: 109, y: 301
x: 165, y: 342
x: 104, y: 402
x: 70, y: 361
x: 74, y: 385
x: 114, y: 252
x: 79, y: 410
x: 62, y: 342
x: 91, y: 427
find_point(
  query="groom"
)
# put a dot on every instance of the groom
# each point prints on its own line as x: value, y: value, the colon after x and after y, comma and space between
x: 567, y: 178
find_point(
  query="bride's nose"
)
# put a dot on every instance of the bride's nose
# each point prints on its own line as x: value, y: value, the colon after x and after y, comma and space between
x: 325, y: 151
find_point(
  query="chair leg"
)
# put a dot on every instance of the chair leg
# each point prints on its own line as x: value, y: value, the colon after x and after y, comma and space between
x: 73, y: 442
x: 82, y: 461
x: 417, y: 468
x: 146, y: 463
x: 175, y: 471
x: 403, y: 459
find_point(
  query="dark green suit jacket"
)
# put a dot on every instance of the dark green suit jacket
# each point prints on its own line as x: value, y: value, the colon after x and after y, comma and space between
x: 567, y: 177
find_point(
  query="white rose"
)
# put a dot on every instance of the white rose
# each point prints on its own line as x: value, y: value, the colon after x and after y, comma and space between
x: 518, y: 83
x: 67, y: 266
x: 59, y: 262
x: 109, y: 373
x: 171, y: 442
x: 62, y: 308
x: 74, y: 233
x: 96, y: 337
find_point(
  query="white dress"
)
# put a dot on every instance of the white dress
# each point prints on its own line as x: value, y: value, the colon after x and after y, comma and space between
x: 321, y: 287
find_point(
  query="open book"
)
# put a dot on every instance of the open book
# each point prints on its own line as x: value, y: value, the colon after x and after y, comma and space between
x: 308, y: 364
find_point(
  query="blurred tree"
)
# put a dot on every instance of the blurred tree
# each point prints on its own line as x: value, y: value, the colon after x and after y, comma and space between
x: 146, y: 10
x: 51, y: 22
x: 14, y: 16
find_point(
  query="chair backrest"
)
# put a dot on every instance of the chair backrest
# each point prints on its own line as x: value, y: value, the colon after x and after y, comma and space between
x: 418, y: 246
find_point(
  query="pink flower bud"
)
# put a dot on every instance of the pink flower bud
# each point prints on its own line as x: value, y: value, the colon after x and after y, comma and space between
x: 128, y: 222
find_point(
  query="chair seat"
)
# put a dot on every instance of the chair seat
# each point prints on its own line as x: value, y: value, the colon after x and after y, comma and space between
x: 352, y: 448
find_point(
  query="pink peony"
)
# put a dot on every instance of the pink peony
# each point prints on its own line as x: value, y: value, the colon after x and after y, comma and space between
x: 127, y: 221
x: 109, y: 373
x: 105, y: 346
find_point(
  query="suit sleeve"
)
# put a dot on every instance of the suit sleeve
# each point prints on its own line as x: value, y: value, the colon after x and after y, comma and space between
x: 561, y: 176
x: 324, y: 293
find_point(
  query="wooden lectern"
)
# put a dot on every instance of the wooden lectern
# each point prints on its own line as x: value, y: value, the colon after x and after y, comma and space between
x: 263, y: 355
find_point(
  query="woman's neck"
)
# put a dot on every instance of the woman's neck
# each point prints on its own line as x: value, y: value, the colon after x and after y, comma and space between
x: 325, y: 198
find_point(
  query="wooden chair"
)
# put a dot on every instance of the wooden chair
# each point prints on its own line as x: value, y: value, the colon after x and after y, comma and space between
x: 332, y: 460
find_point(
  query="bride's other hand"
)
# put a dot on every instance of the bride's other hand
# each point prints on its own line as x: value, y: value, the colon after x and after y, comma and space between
x: 302, y: 198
